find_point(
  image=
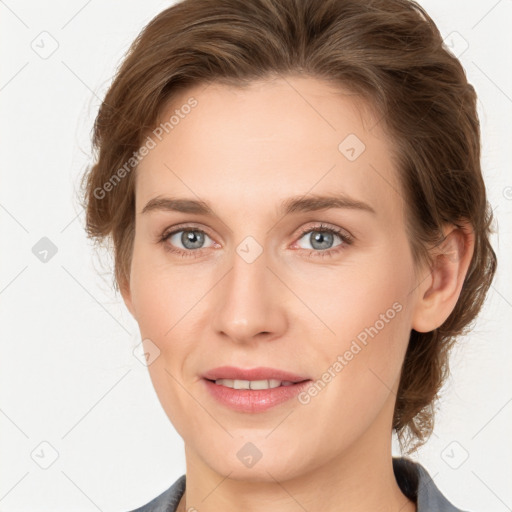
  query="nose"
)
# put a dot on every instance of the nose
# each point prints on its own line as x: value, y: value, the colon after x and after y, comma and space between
x: 250, y: 302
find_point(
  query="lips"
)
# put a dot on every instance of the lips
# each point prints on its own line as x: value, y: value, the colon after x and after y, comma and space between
x: 253, y: 390
x: 253, y: 374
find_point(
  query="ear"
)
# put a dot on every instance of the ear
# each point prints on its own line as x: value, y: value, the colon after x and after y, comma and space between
x: 124, y: 288
x: 440, y: 290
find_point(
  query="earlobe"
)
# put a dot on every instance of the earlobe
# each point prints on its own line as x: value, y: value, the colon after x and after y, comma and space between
x: 439, y: 292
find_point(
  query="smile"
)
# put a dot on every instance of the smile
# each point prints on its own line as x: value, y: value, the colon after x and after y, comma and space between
x: 252, y: 384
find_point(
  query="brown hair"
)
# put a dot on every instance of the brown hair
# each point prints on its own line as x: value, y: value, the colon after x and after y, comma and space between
x: 389, y: 52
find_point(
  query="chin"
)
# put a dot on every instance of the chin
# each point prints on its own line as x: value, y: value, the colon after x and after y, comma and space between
x: 255, y: 457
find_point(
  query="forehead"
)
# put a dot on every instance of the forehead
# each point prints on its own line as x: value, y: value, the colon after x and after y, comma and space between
x: 270, y: 140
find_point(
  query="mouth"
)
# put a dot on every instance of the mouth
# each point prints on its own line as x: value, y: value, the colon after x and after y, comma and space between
x: 253, y: 390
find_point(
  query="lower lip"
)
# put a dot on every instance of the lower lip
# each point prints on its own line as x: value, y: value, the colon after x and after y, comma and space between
x: 254, y: 400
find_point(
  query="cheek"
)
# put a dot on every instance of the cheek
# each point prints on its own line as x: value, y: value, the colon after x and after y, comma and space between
x: 169, y: 302
x: 166, y: 303
x: 365, y: 309
x: 354, y: 294
x: 164, y: 295
x: 358, y: 368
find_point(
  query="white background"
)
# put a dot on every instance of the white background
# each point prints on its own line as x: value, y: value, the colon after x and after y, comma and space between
x: 68, y: 375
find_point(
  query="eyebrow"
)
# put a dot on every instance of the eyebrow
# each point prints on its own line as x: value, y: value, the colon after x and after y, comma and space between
x: 298, y: 204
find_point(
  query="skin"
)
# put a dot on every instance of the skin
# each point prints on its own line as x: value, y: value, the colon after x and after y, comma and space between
x: 245, y: 151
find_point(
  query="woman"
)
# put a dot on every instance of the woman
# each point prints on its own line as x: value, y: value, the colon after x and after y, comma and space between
x: 301, y: 230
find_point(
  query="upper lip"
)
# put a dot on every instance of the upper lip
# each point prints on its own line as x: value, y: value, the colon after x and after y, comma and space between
x: 259, y: 373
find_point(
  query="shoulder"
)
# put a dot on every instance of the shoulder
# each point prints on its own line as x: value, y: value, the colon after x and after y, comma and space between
x: 168, y: 500
x: 416, y: 483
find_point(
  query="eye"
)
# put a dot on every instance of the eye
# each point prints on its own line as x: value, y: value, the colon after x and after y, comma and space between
x: 321, y: 239
x: 185, y: 241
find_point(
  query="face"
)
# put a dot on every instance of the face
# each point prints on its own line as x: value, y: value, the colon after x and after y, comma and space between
x: 273, y: 273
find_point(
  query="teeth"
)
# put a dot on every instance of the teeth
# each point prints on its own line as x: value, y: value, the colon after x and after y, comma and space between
x: 252, y: 384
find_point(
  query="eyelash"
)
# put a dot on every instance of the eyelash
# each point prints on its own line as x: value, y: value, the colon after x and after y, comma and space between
x: 321, y: 228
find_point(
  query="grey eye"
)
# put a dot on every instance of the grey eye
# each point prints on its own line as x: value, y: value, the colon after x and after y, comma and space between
x: 190, y: 239
x: 320, y: 240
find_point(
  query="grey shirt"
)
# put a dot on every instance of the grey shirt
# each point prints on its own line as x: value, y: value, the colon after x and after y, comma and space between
x: 412, y: 478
